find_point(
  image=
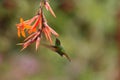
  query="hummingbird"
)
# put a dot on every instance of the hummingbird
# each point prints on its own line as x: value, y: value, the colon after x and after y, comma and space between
x: 58, y: 49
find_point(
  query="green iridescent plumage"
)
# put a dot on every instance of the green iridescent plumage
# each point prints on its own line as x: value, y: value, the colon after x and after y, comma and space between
x: 58, y: 48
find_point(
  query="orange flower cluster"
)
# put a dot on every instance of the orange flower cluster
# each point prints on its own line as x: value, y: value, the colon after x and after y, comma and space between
x: 35, y: 27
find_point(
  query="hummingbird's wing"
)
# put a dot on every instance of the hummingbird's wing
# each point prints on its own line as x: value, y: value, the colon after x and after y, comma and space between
x: 52, y: 47
x: 57, y: 42
x: 65, y: 55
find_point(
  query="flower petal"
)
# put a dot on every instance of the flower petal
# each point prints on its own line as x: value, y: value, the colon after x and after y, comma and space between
x: 49, y: 35
x: 37, y: 43
x: 53, y: 31
x: 30, y: 36
x: 23, y: 33
x: 21, y: 20
x: 47, y: 6
x: 26, y: 44
x: 46, y: 33
x: 33, y: 28
x: 27, y: 26
x: 18, y: 32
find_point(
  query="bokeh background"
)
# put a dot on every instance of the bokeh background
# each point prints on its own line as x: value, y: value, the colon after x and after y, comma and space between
x: 89, y: 31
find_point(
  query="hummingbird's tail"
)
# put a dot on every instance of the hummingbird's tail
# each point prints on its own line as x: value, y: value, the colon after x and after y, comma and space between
x: 66, y: 56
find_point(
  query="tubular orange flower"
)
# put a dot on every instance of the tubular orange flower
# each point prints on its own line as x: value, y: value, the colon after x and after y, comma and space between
x: 47, y: 31
x: 26, y: 44
x: 30, y: 36
x: 21, y: 28
x: 37, y: 42
x: 30, y: 39
x: 24, y: 25
x: 47, y: 6
x: 50, y: 29
x: 37, y: 23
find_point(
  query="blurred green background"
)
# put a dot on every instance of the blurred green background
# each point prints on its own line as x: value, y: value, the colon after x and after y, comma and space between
x: 89, y: 31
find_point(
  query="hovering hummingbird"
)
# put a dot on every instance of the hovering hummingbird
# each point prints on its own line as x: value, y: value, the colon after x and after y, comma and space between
x: 57, y: 48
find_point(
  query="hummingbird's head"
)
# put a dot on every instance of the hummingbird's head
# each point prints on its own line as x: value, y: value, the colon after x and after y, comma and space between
x: 57, y: 42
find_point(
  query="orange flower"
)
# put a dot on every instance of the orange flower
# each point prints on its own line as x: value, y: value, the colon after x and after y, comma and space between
x: 21, y: 28
x: 35, y: 25
x: 47, y: 31
x: 30, y: 39
x: 24, y: 25
x: 47, y: 6
x: 38, y: 42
